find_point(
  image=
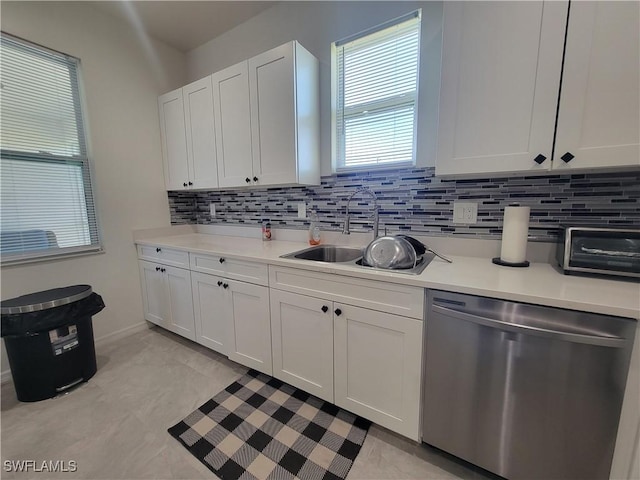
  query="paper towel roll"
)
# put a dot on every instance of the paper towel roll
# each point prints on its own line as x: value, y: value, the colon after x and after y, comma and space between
x: 514, y: 234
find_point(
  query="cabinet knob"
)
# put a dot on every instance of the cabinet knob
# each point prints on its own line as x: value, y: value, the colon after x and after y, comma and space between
x: 158, y: 249
x: 190, y: 183
x: 338, y: 312
x: 248, y: 180
x: 255, y: 179
x: 567, y: 157
x: 163, y: 269
x: 540, y: 159
x: 324, y: 308
x: 221, y: 260
x: 157, y: 269
x: 184, y: 184
x: 225, y: 285
x: 219, y: 283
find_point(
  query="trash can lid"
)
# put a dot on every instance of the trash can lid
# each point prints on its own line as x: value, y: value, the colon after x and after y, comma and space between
x: 34, y: 302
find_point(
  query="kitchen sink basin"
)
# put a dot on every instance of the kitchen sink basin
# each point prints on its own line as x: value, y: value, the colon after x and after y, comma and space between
x: 351, y: 256
x: 327, y: 253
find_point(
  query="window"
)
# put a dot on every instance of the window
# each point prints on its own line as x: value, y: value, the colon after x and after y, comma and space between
x: 46, y: 206
x: 375, y: 88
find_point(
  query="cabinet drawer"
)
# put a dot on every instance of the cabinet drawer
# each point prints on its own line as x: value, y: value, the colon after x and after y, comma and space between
x: 381, y: 296
x: 166, y: 256
x: 230, y: 268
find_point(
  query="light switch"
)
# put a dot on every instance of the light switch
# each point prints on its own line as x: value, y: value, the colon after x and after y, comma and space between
x: 302, y: 210
x: 212, y: 209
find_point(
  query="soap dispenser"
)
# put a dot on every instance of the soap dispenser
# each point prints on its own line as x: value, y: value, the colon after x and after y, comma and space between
x: 314, y: 229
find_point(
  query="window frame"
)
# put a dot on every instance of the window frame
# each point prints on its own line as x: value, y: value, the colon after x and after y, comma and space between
x: 82, y: 159
x: 338, y: 158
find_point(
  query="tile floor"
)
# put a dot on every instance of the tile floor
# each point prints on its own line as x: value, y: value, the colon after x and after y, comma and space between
x: 115, y: 426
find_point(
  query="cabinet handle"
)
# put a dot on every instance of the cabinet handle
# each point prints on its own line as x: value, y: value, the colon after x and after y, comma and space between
x: 219, y: 283
x: 190, y: 183
x: 184, y: 184
x: 225, y: 285
x: 221, y: 260
x: 158, y: 249
x: 567, y: 157
x: 324, y: 308
x: 157, y: 269
x: 338, y: 312
x: 163, y: 270
x: 255, y: 179
x: 540, y: 159
x: 248, y: 180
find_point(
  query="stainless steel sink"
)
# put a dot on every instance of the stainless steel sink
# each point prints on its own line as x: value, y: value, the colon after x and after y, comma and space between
x: 327, y: 253
x: 352, y: 256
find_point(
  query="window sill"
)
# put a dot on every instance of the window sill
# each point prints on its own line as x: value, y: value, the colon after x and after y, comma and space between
x: 377, y: 168
x: 17, y: 262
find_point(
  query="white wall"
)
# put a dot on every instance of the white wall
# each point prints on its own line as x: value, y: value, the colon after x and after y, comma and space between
x: 316, y: 25
x: 122, y: 80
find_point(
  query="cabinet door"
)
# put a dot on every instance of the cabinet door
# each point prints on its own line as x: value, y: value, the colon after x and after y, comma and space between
x: 178, y: 283
x: 273, y: 127
x: 153, y: 293
x: 501, y: 65
x: 201, y: 143
x: 378, y: 360
x: 233, y: 125
x: 302, y: 339
x: 174, y: 140
x: 210, y: 312
x: 250, y: 326
x: 598, y: 120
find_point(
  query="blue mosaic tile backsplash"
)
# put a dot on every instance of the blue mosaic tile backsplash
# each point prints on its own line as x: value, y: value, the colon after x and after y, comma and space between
x: 414, y: 200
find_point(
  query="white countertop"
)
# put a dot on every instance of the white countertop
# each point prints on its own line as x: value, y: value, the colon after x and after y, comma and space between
x: 540, y: 283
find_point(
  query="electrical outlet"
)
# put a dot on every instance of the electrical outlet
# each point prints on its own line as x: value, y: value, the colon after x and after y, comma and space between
x: 302, y: 210
x: 212, y: 210
x: 464, y: 212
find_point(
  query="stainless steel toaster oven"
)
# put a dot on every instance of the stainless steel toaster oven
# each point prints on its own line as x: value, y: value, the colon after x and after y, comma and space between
x: 601, y: 250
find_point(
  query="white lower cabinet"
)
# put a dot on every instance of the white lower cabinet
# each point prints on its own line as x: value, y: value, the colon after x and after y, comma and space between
x: 377, y: 367
x: 250, y: 326
x: 153, y: 293
x: 302, y: 340
x: 167, y: 302
x: 365, y: 360
x: 211, y: 316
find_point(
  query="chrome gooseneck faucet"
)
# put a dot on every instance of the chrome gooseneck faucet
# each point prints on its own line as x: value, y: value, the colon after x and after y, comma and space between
x: 376, y: 217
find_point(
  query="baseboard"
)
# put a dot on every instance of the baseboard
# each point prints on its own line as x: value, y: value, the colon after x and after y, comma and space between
x: 123, y: 332
x: 5, y: 376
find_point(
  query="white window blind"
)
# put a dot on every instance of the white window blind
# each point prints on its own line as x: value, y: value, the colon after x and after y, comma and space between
x: 47, y: 208
x: 375, y: 95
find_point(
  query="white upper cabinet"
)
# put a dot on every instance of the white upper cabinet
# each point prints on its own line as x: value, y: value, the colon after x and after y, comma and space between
x: 283, y: 92
x: 254, y: 123
x: 598, y: 120
x: 501, y: 66
x: 500, y: 87
x: 174, y: 140
x: 200, y: 131
x: 188, y: 137
x: 233, y: 125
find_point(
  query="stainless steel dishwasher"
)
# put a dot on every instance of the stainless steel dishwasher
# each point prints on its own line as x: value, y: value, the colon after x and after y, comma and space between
x: 524, y: 391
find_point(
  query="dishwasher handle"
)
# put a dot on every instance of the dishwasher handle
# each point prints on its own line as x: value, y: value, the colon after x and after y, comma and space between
x: 614, y: 342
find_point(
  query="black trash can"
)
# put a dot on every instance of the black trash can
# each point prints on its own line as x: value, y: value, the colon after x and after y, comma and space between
x: 49, y: 340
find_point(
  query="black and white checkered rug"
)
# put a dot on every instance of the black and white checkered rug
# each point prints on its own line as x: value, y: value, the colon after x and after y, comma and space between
x: 262, y: 428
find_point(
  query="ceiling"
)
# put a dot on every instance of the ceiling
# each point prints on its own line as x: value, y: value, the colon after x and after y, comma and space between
x: 184, y: 24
